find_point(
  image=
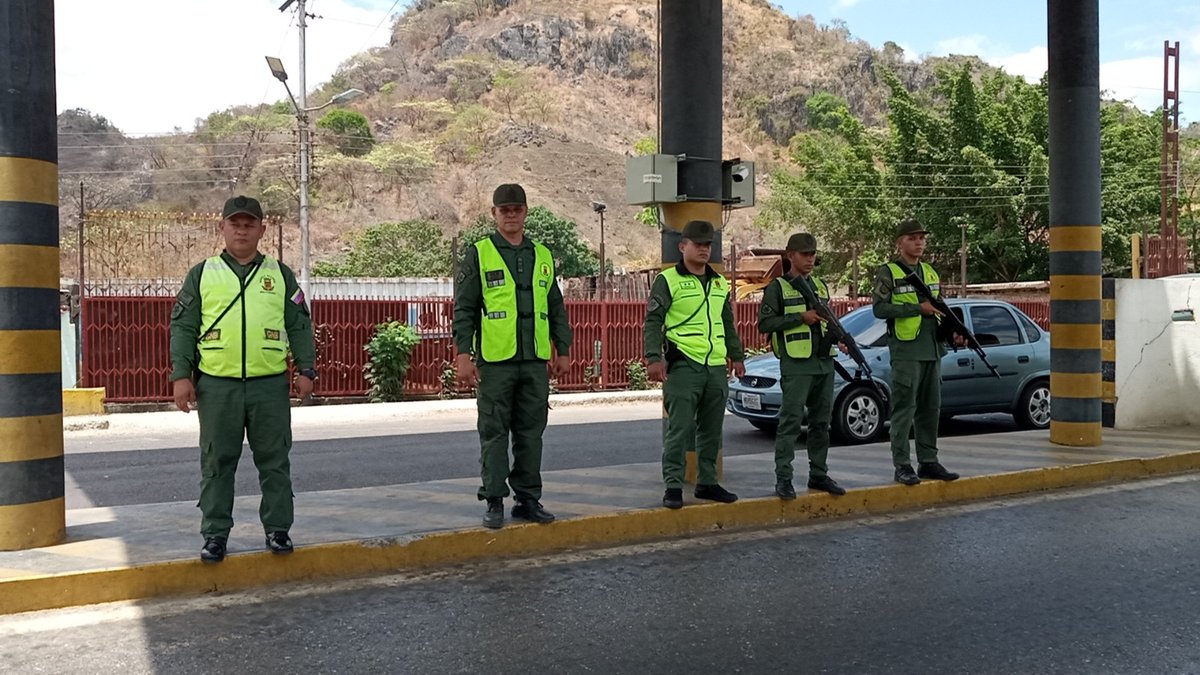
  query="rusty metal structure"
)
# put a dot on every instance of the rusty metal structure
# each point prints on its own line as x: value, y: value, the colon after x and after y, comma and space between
x: 1166, y: 253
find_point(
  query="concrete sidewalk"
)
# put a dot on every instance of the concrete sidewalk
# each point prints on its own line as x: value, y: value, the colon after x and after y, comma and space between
x: 150, y: 550
x: 317, y: 417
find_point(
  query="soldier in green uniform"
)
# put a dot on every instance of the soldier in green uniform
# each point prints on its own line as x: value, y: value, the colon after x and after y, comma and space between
x: 508, y: 311
x: 234, y: 322
x: 916, y: 354
x: 805, y: 365
x: 689, y: 313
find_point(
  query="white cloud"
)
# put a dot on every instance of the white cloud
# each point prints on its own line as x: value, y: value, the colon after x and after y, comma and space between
x: 1139, y: 45
x: 1140, y: 81
x: 964, y: 44
x: 1030, y: 65
x: 845, y: 4
x: 910, y: 54
x: 183, y: 60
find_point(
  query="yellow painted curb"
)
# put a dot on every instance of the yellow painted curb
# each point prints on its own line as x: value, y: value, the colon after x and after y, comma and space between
x: 392, y: 554
x: 83, y: 401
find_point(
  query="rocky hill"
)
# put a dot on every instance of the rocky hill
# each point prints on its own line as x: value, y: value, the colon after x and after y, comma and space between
x: 553, y: 94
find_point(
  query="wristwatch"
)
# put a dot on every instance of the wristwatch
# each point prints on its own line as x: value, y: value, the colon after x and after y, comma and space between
x: 310, y: 373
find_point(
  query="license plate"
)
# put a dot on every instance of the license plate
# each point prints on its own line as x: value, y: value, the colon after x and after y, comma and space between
x: 752, y: 401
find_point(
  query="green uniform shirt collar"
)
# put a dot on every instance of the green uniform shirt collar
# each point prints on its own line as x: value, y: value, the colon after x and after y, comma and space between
x: 709, y: 272
x: 500, y: 242
x: 227, y: 257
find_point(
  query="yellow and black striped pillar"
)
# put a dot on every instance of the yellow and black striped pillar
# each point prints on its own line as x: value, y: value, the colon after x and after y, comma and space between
x: 1108, y: 353
x: 1075, y: 261
x: 32, y: 511
x: 690, y: 93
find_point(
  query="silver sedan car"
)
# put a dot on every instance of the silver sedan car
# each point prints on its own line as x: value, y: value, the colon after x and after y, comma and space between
x: 1014, y: 344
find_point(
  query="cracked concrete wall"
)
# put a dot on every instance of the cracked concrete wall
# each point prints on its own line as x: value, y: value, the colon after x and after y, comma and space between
x: 1158, y: 358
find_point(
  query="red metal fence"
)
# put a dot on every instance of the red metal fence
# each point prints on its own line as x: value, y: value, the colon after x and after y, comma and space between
x: 126, y: 342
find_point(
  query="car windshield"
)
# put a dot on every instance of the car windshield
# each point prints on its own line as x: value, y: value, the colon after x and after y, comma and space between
x: 862, y: 324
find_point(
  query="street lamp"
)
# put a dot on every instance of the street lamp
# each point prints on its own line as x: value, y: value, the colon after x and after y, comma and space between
x: 599, y: 207
x: 962, y: 258
x: 277, y: 69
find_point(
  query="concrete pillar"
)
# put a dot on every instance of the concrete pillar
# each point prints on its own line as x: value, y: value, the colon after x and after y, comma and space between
x: 32, y: 511
x: 1075, y: 291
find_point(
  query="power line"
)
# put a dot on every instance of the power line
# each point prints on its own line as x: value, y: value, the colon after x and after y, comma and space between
x: 377, y: 26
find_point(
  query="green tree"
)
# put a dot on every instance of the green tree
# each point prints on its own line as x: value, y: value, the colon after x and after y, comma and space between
x: 389, y: 354
x: 646, y: 145
x: 406, y: 163
x: 1189, y: 183
x: 828, y: 112
x: 274, y: 181
x: 424, y: 115
x: 836, y: 190
x: 509, y: 87
x: 572, y: 257
x: 1130, y: 153
x: 976, y: 161
x: 468, y: 133
x: 337, y: 177
x: 350, y: 130
x: 412, y: 248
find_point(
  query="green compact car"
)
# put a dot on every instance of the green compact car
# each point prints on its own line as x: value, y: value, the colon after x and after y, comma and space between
x: 1015, y: 345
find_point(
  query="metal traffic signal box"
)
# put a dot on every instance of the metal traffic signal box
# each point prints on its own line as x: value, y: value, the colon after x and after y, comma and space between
x: 652, y: 179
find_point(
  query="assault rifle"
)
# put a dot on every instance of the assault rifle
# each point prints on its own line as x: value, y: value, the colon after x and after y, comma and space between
x: 840, y: 334
x: 950, y: 319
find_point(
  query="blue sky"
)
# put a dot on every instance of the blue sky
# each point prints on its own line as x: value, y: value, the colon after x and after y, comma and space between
x: 193, y: 67
x: 1012, y: 34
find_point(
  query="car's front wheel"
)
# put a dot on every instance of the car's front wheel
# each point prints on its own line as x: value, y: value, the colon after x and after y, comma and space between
x: 858, y: 416
x: 1033, y: 408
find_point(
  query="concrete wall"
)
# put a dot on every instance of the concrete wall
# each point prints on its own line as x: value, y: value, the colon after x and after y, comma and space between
x: 69, y: 371
x: 1158, y: 356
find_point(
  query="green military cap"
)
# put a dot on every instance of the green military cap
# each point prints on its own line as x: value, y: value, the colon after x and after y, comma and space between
x: 699, y: 231
x: 910, y: 226
x: 242, y: 204
x: 802, y: 242
x: 508, y: 194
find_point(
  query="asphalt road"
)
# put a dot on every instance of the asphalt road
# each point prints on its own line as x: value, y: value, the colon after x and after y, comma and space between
x: 1105, y: 580
x: 111, y: 478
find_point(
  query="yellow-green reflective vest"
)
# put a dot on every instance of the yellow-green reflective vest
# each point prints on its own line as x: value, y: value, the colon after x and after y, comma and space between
x: 498, y: 329
x: 903, y: 293
x: 798, y: 340
x: 694, y: 322
x: 251, y: 339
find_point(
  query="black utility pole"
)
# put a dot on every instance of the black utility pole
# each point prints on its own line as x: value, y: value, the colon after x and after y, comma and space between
x: 32, y: 511
x: 690, y: 96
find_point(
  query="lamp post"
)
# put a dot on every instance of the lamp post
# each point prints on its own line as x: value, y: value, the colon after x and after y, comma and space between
x: 276, y: 66
x: 599, y: 208
x: 962, y: 259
